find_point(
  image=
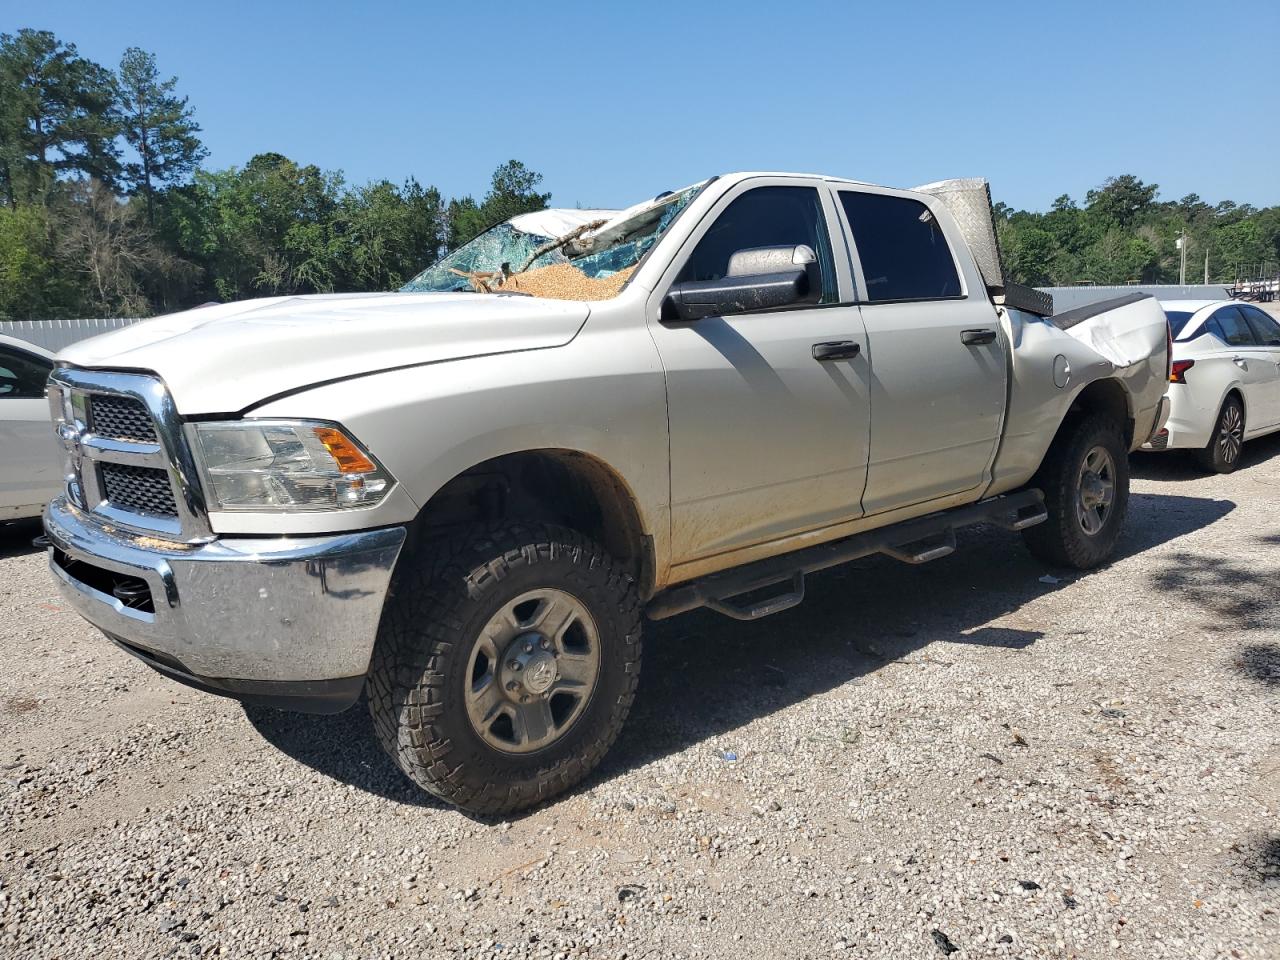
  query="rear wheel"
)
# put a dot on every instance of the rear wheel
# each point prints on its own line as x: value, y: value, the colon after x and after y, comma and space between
x: 1085, y: 480
x: 506, y: 663
x: 1222, y: 453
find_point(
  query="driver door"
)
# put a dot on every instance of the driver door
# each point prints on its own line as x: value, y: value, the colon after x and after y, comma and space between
x: 766, y: 440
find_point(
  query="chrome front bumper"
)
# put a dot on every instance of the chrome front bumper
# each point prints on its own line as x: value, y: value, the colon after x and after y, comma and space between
x: 291, y: 621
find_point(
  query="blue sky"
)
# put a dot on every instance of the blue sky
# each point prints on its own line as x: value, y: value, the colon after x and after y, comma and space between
x: 613, y: 102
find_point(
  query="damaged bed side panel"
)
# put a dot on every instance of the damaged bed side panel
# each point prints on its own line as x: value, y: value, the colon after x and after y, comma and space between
x: 1124, y: 341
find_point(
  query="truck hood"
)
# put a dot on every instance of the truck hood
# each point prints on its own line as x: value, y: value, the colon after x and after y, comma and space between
x: 227, y: 357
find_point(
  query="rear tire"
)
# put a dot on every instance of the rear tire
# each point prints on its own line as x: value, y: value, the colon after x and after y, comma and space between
x: 1085, y: 481
x: 507, y: 660
x: 1222, y: 453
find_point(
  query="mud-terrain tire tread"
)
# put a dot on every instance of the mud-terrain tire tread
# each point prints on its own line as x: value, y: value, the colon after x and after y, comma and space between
x: 1208, y: 457
x: 439, y: 592
x: 1059, y: 540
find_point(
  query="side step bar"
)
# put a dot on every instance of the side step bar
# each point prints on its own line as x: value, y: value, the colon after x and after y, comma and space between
x: 912, y: 541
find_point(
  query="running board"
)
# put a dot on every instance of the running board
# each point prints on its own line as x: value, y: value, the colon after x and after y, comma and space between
x: 912, y: 541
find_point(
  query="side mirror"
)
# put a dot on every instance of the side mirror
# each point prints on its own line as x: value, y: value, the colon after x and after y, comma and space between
x: 759, y: 278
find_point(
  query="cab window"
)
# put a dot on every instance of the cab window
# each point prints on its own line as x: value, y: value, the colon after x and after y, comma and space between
x: 903, y: 251
x: 765, y: 217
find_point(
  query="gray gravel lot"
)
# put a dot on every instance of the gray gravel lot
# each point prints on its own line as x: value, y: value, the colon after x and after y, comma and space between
x: 957, y: 758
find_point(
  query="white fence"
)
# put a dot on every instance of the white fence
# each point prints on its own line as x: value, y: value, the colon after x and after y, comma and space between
x: 53, y: 335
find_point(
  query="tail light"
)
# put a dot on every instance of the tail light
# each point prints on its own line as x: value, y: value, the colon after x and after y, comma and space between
x: 1178, y: 370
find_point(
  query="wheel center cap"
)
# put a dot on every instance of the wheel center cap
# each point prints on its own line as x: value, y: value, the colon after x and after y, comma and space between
x: 540, y: 673
x: 1091, y: 490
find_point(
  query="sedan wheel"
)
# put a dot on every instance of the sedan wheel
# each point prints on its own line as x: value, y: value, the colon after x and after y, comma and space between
x: 1222, y: 454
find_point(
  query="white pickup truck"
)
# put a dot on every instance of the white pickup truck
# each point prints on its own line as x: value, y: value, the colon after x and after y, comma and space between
x: 462, y: 498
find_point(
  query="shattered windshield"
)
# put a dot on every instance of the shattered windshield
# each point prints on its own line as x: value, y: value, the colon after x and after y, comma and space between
x: 557, y: 254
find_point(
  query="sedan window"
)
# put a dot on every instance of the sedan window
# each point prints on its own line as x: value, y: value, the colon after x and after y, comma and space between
x: 1177, y: 321
x: 1229, y: 326
x: 22, y: 375
x: 1264, y: 326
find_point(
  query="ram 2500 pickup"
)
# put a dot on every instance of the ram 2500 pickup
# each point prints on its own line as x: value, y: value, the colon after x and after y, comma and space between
x: 461, y: 499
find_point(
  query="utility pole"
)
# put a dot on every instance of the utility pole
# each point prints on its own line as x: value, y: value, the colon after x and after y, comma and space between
x: 1182, y: 267
x: 1206, y: 266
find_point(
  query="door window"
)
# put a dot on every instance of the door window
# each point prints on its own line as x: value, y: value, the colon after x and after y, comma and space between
x: 1229, y: 326
x: 22, y: 375
x: 1264, y: 326
x: 904, y: 253
x: 765, y: 217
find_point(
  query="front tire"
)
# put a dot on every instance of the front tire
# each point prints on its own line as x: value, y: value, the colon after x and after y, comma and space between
x: 1085, y: 480
x: 507, y: 660
x: 1222, y: 453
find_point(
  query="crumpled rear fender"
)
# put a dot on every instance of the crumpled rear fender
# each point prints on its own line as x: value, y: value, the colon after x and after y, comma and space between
x: 1050, y: 368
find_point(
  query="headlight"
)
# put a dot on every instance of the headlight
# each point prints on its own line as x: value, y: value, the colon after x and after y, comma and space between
x: 286, y: 465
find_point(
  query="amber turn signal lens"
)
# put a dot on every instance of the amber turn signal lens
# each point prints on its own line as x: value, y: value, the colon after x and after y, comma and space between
x: 346, y: 454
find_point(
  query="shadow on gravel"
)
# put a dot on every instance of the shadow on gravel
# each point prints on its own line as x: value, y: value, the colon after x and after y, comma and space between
x: 341, y: 746
x: 1262, y: 861
x: 705, y: 675
x: 1181, y: 465
x: 1233, y: 596
x: 1261, y: 662
x: 16, y: 537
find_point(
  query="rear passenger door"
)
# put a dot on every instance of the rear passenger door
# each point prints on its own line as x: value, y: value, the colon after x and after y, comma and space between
x: 937, y: 358
x: 1266, y: 331
x: 1253, y: 364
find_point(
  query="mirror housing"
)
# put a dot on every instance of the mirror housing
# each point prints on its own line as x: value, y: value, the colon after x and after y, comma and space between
x: 758, y: 278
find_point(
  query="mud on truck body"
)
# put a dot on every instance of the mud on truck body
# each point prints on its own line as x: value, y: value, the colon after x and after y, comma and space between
x: 462, y: 499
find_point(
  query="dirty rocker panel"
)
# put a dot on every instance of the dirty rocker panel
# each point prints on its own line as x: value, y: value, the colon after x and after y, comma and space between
x: 914, y: 541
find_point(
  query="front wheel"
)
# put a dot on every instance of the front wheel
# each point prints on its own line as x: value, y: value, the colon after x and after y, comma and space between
x: 506, y: 663
x: 1222, y: 453
x: 1085, y: 480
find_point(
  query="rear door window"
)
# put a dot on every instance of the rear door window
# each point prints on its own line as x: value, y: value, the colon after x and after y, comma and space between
x: 1229, y: 326
x: 903, y: 251
x: 1265, y: 327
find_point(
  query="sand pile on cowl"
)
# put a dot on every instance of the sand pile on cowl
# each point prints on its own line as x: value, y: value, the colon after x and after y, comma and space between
x: 564, y: 281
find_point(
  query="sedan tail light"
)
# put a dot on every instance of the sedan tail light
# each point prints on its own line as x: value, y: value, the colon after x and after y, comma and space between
x: 1178, y: 370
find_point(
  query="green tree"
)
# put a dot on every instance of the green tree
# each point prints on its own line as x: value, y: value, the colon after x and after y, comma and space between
x: 390, y: 233
x: 512, y: 191
x: 1122, y: 200
x: 33, y: 283
x: 57, y: 115
x: 158, y: 125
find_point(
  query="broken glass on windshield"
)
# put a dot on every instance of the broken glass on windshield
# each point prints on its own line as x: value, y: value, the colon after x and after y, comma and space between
x: 557, y: 254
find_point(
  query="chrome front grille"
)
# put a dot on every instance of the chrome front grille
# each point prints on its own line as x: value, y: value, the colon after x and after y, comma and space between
x: 128, y: 458
x: 121, y: 418
x: 139, y: 489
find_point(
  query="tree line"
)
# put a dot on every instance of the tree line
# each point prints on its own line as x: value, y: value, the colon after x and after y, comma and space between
x: 106, y: 208
x: 1123, y: 233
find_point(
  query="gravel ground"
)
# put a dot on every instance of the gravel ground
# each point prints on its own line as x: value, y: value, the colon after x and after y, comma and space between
x: 962, y: 758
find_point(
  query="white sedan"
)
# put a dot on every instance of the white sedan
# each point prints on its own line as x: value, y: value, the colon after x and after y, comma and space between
x: 1224, y: 385
x: 31, y: 467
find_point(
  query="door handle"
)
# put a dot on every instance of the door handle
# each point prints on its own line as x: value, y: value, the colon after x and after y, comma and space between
x: 836, y: 350
x: 1240, y: 362
x: 975, y: 338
